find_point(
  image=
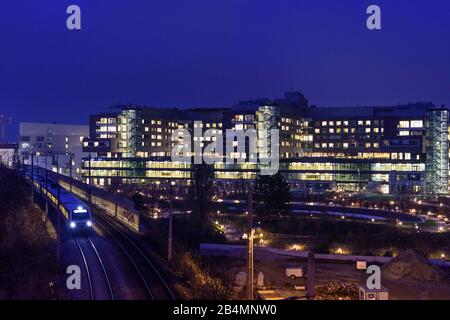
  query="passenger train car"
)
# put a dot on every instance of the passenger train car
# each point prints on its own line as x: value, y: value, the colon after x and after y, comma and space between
x: 77, y: 214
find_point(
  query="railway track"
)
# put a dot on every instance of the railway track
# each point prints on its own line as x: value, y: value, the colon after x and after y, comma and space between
x: 154, y: 283
x: 98, y: 281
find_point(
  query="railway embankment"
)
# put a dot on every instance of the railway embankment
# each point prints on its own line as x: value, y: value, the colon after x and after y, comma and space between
x: 27, y: 242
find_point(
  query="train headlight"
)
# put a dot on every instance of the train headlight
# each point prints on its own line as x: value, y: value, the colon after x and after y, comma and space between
x: 89, y: 223
x: 73, y: 225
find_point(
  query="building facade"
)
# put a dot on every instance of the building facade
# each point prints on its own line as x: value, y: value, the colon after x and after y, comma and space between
x: 394, y: 149
x: 8, y: 155
x: 55, y: 146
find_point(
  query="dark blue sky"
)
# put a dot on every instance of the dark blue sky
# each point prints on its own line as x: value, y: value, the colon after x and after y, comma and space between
x: 216, y: 52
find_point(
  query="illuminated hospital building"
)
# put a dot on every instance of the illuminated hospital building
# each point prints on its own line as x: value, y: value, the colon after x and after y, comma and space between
x: 393, y: 149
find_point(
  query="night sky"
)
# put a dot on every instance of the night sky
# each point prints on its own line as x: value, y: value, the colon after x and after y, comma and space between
x: 187, y: 53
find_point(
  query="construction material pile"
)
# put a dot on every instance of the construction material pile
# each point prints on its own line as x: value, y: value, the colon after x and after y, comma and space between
x: 409, y: 265
x: 337, y: 290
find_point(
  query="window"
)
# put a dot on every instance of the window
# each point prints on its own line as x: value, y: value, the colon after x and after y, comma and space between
x: 403, y: 133
x: 403, y: 124
x: 324, y: 123
x: 416, y: 124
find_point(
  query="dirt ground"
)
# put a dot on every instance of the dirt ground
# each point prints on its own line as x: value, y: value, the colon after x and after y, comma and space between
x: 326, y: 272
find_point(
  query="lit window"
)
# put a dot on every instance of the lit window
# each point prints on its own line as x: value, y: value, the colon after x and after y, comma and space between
x: 403, y: 133
x: 417, y: 124
x: 324, y: 123
x: 368, y: 130
x: 367, y: 122
x: 403, y: 124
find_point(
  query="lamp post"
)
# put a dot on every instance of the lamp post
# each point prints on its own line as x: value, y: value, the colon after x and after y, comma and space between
x: 170, y: 237
x: 32, y: 177
x: 250, y: 245
x: 46, y: 167
x: 32, y: 166
x: 58, y: 229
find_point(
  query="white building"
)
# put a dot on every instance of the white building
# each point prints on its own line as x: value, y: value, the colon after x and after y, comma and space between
x: 52, y: 145
x: 8, y: 152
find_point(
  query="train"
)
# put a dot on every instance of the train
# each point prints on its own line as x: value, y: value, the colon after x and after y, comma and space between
x: 77, y: 213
